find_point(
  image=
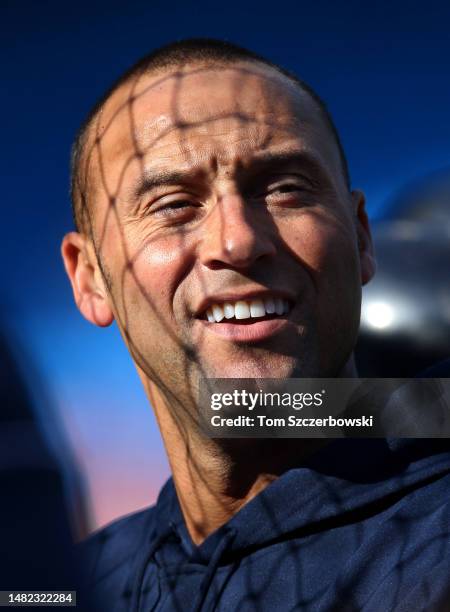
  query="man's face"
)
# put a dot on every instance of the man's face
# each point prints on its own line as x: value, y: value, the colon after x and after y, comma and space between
x: 216, y: 186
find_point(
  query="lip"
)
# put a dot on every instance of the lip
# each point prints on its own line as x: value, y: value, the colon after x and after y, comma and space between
x: 253, y: 332
x: 220, y: 298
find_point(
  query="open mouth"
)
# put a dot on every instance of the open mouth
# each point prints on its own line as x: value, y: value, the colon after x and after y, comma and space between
x: 255, y: 319
x: 248, y: 311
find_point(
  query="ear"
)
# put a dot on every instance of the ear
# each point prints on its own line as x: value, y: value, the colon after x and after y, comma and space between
x: 86, y: 278
x: 366, y: 251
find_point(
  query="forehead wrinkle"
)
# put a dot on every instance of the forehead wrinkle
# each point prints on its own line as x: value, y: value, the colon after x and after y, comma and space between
x: 237, y: 142
x: 199, y: 143
x: 148, y: 136
x: 203, y: 149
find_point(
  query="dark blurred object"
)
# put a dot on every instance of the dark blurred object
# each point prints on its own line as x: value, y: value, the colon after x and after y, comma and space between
x: 439, y: 370
x: 35, y: 534
x: 405, y: 319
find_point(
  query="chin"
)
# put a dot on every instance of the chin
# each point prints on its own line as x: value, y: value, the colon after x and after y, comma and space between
x: 275, y: 367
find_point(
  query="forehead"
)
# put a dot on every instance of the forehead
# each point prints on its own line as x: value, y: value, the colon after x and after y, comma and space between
x: 188, y: 115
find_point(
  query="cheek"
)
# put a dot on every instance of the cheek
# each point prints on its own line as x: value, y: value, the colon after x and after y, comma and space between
x: 322, y: 243
x: 153, y: 275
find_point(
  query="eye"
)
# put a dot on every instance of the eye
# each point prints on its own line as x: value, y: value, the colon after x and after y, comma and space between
x: 178, y: 209
x: 280, y: 185
x: 284, y: 188
x: 173, y: 206
x: 175, y: 212
x: 289, y: 191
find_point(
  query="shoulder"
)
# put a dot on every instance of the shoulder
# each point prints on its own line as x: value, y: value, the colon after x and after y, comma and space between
x: 108, y: 551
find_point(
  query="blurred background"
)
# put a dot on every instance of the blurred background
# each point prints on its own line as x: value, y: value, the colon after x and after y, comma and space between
x: 383, y: 68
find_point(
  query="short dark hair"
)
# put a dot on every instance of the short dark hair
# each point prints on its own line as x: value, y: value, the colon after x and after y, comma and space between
x: 172, y: 55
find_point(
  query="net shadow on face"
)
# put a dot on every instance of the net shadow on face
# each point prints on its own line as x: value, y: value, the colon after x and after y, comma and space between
x: 192, y: 368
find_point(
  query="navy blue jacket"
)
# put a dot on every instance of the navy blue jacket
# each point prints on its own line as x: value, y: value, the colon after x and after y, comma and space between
x: 363, y: 525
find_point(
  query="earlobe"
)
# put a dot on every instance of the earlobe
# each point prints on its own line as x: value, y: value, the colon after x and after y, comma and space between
x: 88, y: 289
x: 365, y: 245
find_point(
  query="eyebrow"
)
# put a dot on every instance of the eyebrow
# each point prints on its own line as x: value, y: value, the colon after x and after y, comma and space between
x: 150, y: 179
x: 303, y: 159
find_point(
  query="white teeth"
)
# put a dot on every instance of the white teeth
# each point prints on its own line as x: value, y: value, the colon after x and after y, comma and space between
x: 241, y: 310
x: 217, y: 313
x: 228, y: 310
x: 279, y: 306
x: 246, y: 310
x: 269, y: 304
x: 257, y: 309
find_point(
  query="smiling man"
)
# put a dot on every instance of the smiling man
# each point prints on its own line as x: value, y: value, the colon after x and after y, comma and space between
x: 217, y: 227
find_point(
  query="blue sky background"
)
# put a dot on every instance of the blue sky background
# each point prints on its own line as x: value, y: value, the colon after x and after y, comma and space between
x: 384, y: 70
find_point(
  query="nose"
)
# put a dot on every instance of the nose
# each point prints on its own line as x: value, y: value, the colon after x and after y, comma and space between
x: 236, y: 235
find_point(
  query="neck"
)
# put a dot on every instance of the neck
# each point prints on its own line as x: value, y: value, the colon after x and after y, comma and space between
x: 215, y: 478
x: 229, y: 475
